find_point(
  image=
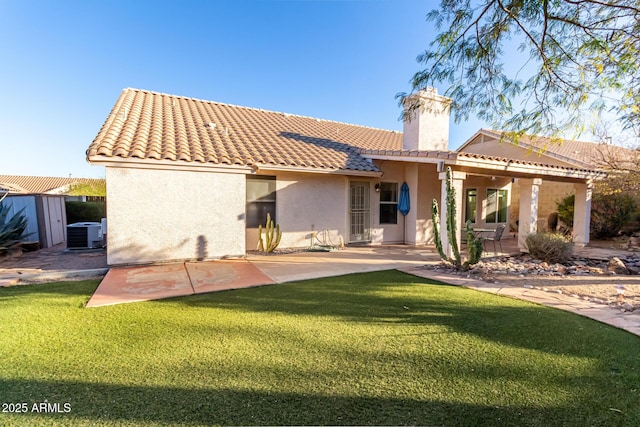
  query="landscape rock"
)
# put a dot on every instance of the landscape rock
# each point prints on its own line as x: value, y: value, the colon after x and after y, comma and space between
x: 617, y: 266
x: 536, y: 274
x: 633, y: 269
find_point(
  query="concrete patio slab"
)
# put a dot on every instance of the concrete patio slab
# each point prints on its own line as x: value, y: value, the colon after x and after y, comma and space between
x: 215, y: 276
x: 314, y: 265
x: 132, y: 284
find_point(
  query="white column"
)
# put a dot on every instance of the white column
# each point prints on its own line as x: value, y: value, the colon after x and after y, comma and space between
x: 528, y: 216
x: 411, y: 219
x: 457, y: 182
x: 582, y: 214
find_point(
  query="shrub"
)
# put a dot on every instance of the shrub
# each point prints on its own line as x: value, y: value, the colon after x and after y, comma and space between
x: 611, y: 212
x: 566, y: 209
x: 550, y: 247
x: 85, y: 211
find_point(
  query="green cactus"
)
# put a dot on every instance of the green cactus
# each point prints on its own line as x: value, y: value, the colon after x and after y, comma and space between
x: 435, y: 214
x: 272, y: 236
x: 451, y: 218
x: 474, y: 244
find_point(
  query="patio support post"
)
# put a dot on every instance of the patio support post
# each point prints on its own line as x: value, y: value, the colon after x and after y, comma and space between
x: 528, y: 216
x: 582, y: 214
x: 411, y: 220
x: 457, y: 182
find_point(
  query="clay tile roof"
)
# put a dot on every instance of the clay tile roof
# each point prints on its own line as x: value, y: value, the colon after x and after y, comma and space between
x: 155, y: 126
x: 40, y: 184
x: 582, y: 154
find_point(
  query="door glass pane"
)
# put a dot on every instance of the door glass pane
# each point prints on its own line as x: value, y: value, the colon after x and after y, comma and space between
x: 471, y: 203
x: 502, y: 206
x: 497, y: 208
x: 389, y: 213
x: 388, y: 192
x: 262, y: 189
x: 261, y: 199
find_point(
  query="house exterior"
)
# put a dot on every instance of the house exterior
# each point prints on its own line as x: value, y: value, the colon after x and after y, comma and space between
x: 192, y: 179
x: 561, y: 152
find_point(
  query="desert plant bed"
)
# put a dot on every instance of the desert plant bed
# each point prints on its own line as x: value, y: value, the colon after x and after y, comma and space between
x: 614, y: 281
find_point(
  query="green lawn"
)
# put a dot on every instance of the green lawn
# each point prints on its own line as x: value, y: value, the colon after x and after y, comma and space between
x: 376, y: 348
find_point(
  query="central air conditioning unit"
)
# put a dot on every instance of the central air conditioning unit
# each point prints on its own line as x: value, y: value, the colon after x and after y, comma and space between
x: 85, y: 235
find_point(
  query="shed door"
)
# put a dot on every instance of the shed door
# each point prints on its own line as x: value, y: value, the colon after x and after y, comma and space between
x: 55, y: 220
x: 360, y: 212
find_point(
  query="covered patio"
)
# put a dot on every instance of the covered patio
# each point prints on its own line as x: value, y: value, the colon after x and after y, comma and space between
x: 484, y: 193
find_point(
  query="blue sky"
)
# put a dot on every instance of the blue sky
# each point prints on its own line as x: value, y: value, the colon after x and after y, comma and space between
x: 64, y: 64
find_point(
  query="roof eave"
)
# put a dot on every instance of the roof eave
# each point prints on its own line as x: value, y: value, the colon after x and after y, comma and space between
x: 136, y: 163
x: 350, y: 172
x: 409, y: 156
x: 529, y: 169
x: 470, y: 162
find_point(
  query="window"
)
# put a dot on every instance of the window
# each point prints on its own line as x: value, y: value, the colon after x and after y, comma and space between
x: 388, y: 203
x: 496, y: 206
x: 261, y: 199
x: 470, y: 205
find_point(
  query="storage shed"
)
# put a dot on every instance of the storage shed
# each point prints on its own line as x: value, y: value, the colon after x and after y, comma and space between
x: 46, y: 217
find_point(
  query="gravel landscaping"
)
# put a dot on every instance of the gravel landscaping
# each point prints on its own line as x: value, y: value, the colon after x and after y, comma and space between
x: 614, y: 282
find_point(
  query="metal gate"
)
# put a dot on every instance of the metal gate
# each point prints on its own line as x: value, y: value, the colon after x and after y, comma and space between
x: 359, y: 212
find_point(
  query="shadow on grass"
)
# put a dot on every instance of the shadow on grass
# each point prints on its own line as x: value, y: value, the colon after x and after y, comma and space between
x: 117, y: 404
x: 393, y: 297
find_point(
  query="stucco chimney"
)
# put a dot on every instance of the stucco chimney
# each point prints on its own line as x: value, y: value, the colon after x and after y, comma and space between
x: 427, y: 126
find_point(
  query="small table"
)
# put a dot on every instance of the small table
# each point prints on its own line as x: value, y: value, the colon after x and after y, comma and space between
x: 479, y: 232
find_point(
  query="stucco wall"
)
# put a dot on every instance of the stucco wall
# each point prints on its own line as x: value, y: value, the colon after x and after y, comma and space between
x: 387, y: 233
x: 306, y: 203
x: 424, y: 188
x: 428, y: 128
x: 429, y: 188
x: 165, y: 215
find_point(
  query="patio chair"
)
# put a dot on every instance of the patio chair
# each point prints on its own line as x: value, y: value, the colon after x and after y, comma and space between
x: 496, y: 237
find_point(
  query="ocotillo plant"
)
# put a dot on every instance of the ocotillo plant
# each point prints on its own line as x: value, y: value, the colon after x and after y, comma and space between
x: 272, y: 236
x: 474, y: 244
